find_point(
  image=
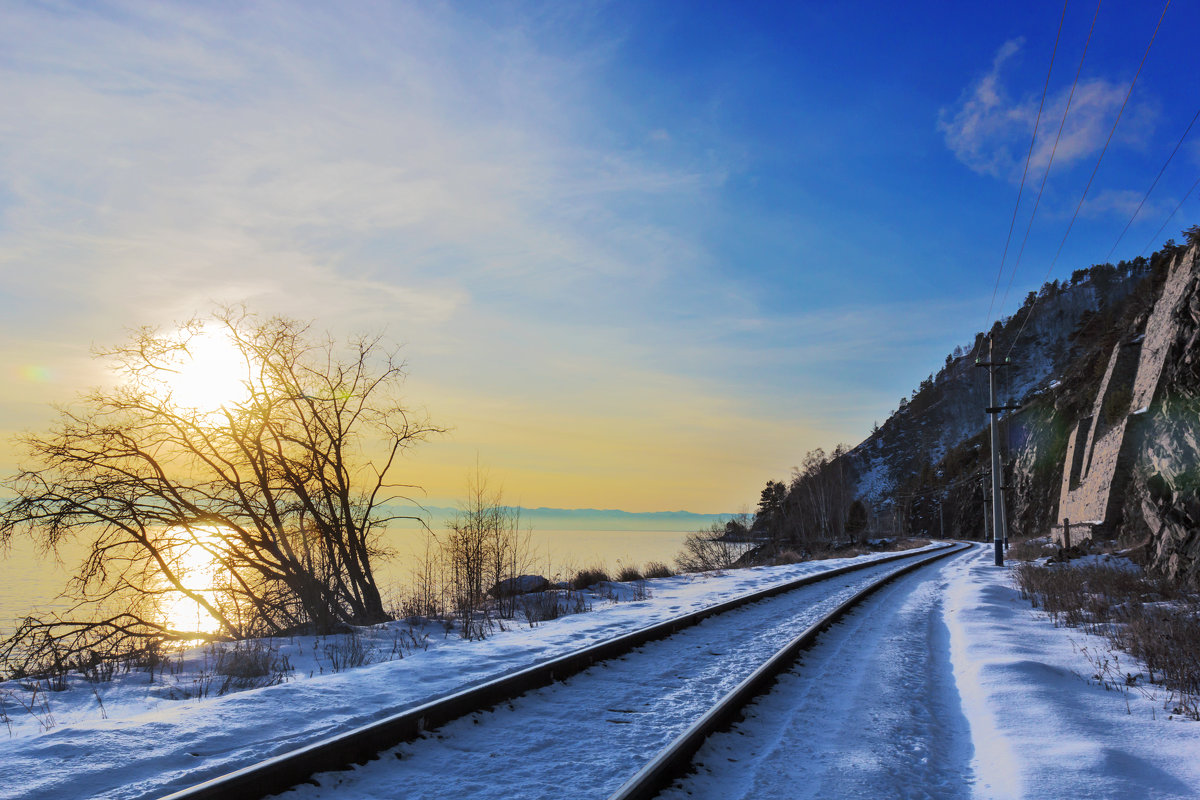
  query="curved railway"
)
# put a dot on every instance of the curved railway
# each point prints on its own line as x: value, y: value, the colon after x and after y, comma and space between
x: 639, y: 705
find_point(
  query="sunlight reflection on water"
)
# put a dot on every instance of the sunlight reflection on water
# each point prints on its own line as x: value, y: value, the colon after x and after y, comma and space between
x: 30, y: 581
x: 198, y: 572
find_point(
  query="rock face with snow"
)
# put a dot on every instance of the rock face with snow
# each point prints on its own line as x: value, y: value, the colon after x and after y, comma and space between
x: 1107, y: 371
x: 947, y: 411
x: 1105, y: 443
x: 1164, y: 491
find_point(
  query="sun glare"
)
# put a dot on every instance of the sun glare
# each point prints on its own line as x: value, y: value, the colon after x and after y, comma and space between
x: 210, y: 375
x: 199, y: 573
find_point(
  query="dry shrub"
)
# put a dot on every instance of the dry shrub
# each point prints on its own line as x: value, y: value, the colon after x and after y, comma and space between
x: 589, y: 577
x: 1168, y: 642
x: 707, y: 551
x: 849, y: 550
x: 247, y: 659
x: 540, y: 607
x: 349, y: 651
x: 248, y: 665
x: 906, y: 544
x: 1110, y: 602
x: 628, y: 574
x: 1086, y: 594
x: 551, y: 604
x: 657, y: 569
x: 845, y: 552
x: 1030, y: 549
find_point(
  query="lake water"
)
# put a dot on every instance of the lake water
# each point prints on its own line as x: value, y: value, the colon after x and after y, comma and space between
x: 30, y: 581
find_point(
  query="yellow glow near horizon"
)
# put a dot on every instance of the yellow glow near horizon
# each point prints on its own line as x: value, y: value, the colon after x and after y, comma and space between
x: 210, y: 375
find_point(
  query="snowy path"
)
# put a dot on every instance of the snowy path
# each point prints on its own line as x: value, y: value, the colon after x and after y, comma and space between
x: 1042, y: 726
x: 871, y: 711
x: 948, y: 685
x: 597, y: 728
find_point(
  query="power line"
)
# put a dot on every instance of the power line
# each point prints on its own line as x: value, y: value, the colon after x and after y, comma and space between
x: 1170, y: 216
x: 1108, y: 258
x: 1053, y: 151
x: 1028, y: 157
x: 1095, y: 169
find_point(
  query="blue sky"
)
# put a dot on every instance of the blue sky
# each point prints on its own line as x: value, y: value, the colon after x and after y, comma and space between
x: 641, y: 255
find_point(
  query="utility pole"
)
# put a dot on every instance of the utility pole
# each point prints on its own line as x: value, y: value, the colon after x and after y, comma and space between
x: 1004, y: 511
x: 999, y: 530
x: 983, y: 491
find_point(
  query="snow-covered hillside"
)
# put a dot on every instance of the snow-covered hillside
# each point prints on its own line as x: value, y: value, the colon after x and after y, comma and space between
x: 948, y: 408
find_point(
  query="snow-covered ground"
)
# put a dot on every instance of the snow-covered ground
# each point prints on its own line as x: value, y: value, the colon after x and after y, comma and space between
x: 946, y: 685
x: 625, y: 709
x: 133, y: 738
x: 1041, y: 724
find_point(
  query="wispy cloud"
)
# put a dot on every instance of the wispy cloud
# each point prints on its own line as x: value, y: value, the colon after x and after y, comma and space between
x: 408, y: 167
x: 575, y: 258
x: 187, y: 141
x: 989, y: 131
x: 1122, y: 203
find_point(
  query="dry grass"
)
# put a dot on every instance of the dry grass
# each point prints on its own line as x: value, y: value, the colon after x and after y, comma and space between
x: 1030, y: 549
x: 248, y: 660
x: 1168, y: 643
x: 589, y: 577
x: 907, y: 544
x: 1087, y: 595
x: 551, y: 604
x: 657, y: 569
x: 883, y: 546
x: 1116, y: 603
x: 846, y: 552
x: 629, y: 573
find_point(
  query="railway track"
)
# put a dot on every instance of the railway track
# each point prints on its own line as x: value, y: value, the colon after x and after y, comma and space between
x: 640, y: 705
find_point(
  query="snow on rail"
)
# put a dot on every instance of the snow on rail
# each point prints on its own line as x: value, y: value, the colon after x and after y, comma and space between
x: 144, y: 744
x: 592, y: 730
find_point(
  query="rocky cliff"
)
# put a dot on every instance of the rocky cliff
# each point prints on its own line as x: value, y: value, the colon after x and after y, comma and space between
x: 945, y: 414
x: 1162, y: 498
x: 1106, y: 368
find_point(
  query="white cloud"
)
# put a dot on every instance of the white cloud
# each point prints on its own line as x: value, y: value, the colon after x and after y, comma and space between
x: 157, y: 155
x: 989, y: 131
x: 982, y: 116
x: 404, y: 166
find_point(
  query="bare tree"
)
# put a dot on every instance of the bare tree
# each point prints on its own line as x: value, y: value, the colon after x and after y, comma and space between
x: 819, y: 497
x: 427, y: 582
x: 277, y: 489
x: 483, y: 548
x: 710, y: 549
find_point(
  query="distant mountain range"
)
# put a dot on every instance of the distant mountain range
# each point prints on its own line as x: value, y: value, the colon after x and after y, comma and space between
x: 584, y: 519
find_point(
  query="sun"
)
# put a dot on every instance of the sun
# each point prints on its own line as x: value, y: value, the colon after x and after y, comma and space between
x: 210, y: 374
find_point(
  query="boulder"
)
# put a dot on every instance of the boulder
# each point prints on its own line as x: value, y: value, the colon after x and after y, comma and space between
x: 522, y: 584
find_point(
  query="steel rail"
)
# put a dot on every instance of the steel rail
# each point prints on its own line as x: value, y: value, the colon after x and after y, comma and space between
x: 359, y: 745
x: 676, y: 758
